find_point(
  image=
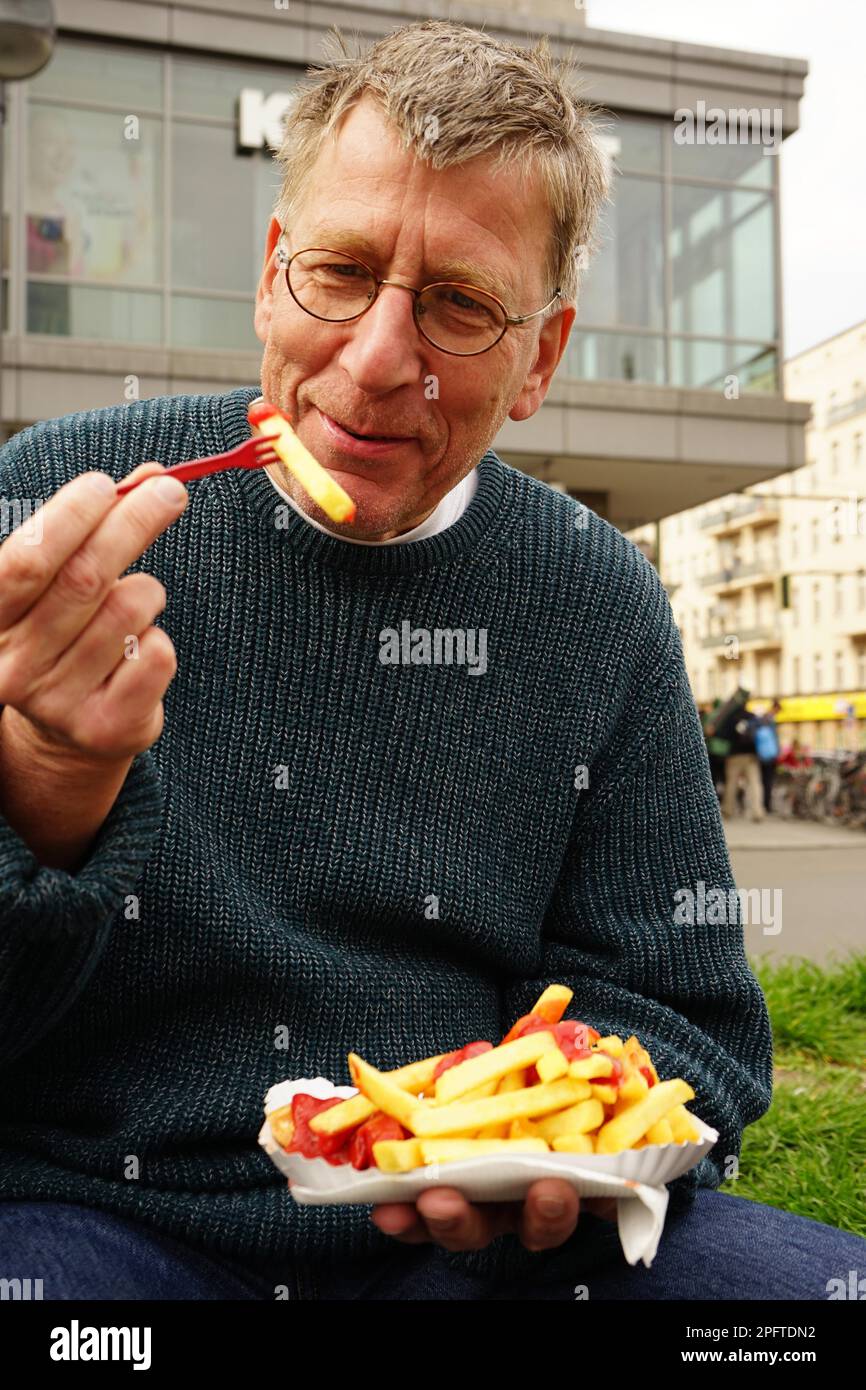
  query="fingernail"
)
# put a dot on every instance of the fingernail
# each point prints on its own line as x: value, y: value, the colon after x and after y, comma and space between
x: 170, y: 490
x: 101, y: 483
x: 551, y: 1207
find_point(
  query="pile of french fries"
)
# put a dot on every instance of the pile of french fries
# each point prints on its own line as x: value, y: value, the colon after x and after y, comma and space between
x: 524, y: 1096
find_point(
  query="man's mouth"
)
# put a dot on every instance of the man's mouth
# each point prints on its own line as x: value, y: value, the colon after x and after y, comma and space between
x: 366, y: 434
x: 362, y: 443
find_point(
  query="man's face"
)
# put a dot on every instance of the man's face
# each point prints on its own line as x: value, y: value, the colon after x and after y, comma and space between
x: 370, y: 197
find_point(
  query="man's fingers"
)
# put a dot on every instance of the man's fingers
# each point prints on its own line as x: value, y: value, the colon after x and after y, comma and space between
x: 456, y: 1224
x: 605, y: 1207
x: 84, y: 580
x: 400, y: 1220
x: 29, y: 559
x: 549, y: 1214
x: 144, y: 470
x: 444, y: 1217
x: 546, y: 1219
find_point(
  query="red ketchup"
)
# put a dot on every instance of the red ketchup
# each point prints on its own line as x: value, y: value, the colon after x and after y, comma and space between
x: 260, y: 410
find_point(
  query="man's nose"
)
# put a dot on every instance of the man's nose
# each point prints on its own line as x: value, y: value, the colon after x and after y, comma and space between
x: 384, y: 348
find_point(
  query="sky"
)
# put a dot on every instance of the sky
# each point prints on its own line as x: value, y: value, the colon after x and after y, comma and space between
x: 823, y: 168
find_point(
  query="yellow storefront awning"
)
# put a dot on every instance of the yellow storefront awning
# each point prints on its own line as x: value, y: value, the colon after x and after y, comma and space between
x: 800, y: 708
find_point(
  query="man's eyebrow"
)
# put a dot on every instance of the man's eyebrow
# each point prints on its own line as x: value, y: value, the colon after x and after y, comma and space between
x: 455, y: 268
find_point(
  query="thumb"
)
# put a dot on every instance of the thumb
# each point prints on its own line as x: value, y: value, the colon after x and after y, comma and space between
x: 145, y: 470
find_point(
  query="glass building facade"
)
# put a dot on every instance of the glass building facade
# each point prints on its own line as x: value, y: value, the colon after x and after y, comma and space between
x: 683, y: 290
x: 149, y: 228
x: 144, y: 228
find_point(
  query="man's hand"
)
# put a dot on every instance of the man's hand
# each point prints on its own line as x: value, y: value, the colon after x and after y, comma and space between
x: 66, y: 618
x: 76, y: 710
x: 546, y: 1218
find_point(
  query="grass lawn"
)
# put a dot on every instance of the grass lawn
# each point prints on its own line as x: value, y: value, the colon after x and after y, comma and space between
x: 808, y: 1153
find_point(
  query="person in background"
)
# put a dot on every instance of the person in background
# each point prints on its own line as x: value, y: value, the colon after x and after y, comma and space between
x: 767, y: 750
x: 743, y: 762
x: 717, y: 748
x: 794, y: 755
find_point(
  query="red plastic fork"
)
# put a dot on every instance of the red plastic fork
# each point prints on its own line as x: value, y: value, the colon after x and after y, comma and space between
x: 253, y: 453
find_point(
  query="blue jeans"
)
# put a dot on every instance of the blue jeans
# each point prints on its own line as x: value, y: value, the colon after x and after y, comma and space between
x: 721, y: 1247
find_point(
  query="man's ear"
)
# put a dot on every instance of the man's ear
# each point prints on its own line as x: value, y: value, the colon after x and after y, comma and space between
x: 265, y: 291
x: 552, y: 341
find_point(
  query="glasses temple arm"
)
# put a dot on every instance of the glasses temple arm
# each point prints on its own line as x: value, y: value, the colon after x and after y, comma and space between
x: 522, y: 318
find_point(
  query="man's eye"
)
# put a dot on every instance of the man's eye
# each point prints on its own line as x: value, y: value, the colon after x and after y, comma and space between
x: 458, y: 300
x: 340, y: 272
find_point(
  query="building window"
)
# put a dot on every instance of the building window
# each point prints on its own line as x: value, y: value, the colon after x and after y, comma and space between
x: 816, y: 534
x: 861, y: 589
x: 816, y: 602
x: 795, y: 674
x: 837, y: 595
x: 136, y: 228
x: 713, y: 243
x: 839, y: 672
x: 858, y: 450
x: 861, y: 667
x: 834, y: 457
x: 795, y: 532
x: 819, y: 672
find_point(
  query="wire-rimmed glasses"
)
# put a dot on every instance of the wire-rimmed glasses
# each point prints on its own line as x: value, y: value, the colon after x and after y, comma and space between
x: 454, y: 317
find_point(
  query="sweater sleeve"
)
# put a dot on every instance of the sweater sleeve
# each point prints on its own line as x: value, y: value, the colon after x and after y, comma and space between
x: 54, y: 925
x: 647, y: 834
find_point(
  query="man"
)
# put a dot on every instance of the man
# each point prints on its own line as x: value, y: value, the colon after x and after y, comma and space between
x: 256, y: 844
x: 717, y: 748
x: 767, y: 751
x: 742, y: 761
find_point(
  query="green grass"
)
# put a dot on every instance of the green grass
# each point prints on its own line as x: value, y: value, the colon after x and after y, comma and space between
x: 808, y: 1153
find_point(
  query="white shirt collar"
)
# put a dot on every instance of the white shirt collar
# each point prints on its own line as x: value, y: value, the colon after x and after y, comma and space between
x: 447, y: 510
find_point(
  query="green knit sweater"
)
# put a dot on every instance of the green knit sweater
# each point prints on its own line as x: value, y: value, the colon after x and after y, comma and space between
x: 335, y: 846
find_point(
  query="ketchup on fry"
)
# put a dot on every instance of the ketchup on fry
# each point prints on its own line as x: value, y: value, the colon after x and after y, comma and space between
x: 462, y: 1054
x: 305, y: 1141
x: 360, y: 1150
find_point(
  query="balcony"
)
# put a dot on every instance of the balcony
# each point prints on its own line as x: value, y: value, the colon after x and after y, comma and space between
x: 741, y: 574
x: 753, y: 511
x: 845, y: 410
x: 750, y: 639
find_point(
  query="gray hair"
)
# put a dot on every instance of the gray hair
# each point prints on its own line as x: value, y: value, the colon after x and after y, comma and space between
x: 452, y: 93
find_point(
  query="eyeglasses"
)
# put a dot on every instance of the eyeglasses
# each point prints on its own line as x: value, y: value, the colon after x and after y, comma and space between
x: 453, y: 317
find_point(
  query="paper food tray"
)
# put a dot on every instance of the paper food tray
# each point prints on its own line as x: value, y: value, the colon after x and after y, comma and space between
x: 632, y: 1174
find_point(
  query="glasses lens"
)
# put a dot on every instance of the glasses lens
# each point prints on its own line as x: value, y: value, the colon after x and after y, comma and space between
x: 330, y: 285
x: 459, y: 319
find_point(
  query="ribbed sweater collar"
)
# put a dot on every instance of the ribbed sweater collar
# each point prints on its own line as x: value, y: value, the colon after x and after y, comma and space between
x: 490, y: 523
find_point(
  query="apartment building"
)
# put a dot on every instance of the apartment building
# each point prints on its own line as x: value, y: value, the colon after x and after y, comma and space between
x: 768, y: 586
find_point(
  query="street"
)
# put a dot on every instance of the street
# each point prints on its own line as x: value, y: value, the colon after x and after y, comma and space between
x: 821, y: 872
